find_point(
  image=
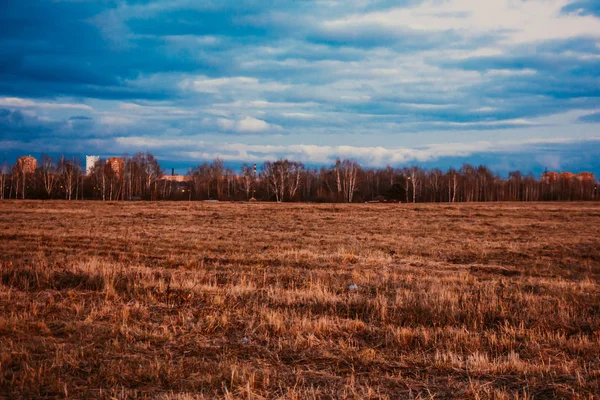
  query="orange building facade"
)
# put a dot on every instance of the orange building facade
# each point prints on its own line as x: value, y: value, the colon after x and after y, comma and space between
x: 27, y: 164
x: 117, y: 165
x: 552, y: 177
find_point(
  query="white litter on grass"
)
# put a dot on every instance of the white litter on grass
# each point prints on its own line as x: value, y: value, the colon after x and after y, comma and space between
x: 244, y: 340
x: 353, y: 287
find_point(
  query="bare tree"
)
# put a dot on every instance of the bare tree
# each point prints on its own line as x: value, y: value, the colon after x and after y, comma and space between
x: 293, y: 173
x: 435, y: 184
x: 20, y: 177
x: 151, y: 173
x: 201, y: 177
x: 415, y: 180
x: 452, y: 185
x: 247, y: 179
x: 348, y: 170
x: 283, y: 177
x: 79, y: 180
x: 217, y: 171
x: 285, y: 180
x: 48, y: 174
x: 338, y: 177
x: 68, y: 174
x: 275, y: 178
x: 15, y: 177
x: 99, y: 179
x: 3, y: 179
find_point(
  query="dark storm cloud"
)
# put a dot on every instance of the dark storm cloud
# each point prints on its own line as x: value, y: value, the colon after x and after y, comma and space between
x: 56, y: 48
x: 16, y: 125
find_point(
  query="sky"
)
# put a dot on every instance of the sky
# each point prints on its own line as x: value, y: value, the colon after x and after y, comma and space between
x: 511, y: 84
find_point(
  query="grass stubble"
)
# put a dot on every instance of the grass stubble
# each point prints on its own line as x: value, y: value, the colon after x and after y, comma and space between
x: 196, y: 300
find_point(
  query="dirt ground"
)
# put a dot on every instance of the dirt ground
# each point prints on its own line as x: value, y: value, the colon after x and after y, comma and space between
x: 196, y: 300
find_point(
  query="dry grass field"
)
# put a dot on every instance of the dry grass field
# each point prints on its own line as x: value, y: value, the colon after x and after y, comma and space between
x: 198, y: 300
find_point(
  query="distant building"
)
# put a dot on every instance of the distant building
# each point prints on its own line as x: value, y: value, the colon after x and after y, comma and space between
x: 586, y: 177
x: 117, y: 165
x: 178, y: 185
x: 552, y: 177
x: 549, y: 177
x: 566, y: 176
x: 175, y: 178
x: 27, y: 164
x: 90, y: 161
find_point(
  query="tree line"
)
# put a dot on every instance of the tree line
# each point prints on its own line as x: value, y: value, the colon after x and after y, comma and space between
x: 140, y: 177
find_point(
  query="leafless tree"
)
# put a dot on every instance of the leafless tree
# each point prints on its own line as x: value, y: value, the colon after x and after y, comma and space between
x: 19, y: 179
x: 347, y: 171
x: 151, y: 172
x: 294, y: 173
x: 201, y: 177
x: 414, y: 176
x: 247, y: 179
x: 3, y: 179
x: 69, y: 175
x: 435, y: 184
x: 285, y: 180
x: 275, y: 175
x: 217, y: 172
x: 48, y: 174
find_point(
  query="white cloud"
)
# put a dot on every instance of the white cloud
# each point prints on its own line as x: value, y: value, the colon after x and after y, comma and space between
x: 190, y: 40
x: 520, y: 21
x: 241, y: 106
x: 192, y: 149
x: 298, y: 115
x: 18, y: 102
x: 511, y: 72
x: 378, y: 97
x: 246, y: 125
x: 425, y: 106
x: 218, y: 85
x: 250, y: 124
x: 502, y: 122
x: 154, y: 110
x: 226, y: 124
x: 116, y: 120
x: 214, y: 85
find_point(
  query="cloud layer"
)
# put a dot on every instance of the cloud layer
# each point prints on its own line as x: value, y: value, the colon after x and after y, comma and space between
x: 378, y: 81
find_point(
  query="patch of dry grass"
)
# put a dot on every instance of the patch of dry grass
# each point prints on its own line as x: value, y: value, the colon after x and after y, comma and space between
x: 194, y: 300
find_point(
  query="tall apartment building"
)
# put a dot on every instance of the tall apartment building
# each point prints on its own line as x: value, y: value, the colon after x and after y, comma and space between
x: 90, y: 161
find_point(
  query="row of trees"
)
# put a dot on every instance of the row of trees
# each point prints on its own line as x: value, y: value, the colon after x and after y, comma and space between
x: 126, y: 178
x: 140, y: 177
x: 64, y: 178
x: 49, y: 179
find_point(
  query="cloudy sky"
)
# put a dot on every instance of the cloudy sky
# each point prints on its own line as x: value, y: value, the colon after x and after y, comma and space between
x: 514, y: 84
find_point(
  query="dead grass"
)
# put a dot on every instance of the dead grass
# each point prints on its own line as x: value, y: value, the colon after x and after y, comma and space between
x: 194, y: 300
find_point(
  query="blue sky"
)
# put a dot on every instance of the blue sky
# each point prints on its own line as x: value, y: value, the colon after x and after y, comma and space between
x: 512, y: 84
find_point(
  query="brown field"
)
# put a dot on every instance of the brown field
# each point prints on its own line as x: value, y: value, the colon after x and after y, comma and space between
x: 197, y: 300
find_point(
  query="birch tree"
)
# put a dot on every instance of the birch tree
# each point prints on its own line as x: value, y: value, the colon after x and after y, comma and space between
x: 68, y: 174
x: 246, y: 179
x: 274, y: 174
x: 349, y: 171
x: 48, y: 174
x: 415, y: 180
x: 283, y: 177
x: 293, y: 174
x: 3, y: 179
